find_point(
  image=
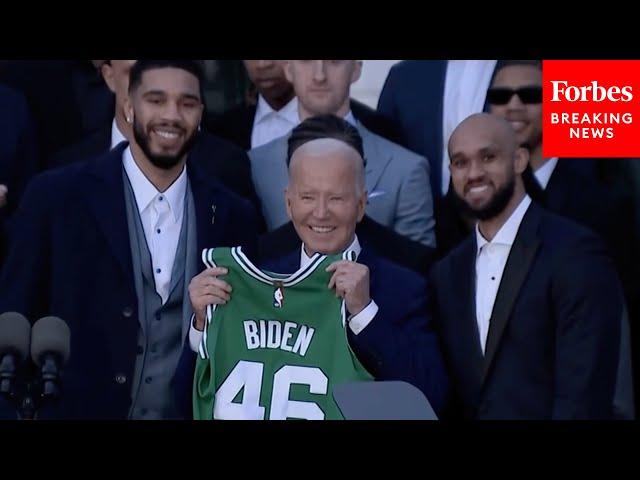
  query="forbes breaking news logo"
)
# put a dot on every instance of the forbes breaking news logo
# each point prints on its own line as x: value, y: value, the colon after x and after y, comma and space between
x: 563, y: 92
x: 589, y: 108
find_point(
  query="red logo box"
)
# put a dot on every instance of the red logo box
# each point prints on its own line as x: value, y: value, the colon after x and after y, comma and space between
x: 591, y: 108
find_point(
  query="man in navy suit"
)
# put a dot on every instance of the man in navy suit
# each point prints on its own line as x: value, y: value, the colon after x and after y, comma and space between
x: 529, y: 305
x: 426, y: 99
x: 18, y: 155
x: 388, y: 328
x: 109, y: 245
x: 217, y: 157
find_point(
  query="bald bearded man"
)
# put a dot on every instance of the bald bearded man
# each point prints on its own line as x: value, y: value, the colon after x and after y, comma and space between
x: 529, y: 304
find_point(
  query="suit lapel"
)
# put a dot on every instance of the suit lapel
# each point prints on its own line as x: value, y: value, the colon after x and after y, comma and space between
x: 105, y: 195
x: 465, y: 292
x: 376, y: 158
x: 368, y: 258
x: 210, y: 207
x: 522, y: 254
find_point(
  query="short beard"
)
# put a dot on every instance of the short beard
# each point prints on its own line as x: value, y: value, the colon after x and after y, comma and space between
x: 164, y: 162
x: 495, y: 207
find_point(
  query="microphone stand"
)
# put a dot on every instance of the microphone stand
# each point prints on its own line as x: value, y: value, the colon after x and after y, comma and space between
x: 44, y: 387
x: 16, y: 389
x: 30, y: 388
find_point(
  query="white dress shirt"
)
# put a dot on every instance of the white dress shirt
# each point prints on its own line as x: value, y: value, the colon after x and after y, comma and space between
x: 357, y: 323
x: 269, y: 124
x: 491, y: 258
x: 465, y: 92
x: 161, y: 214
x: 543, y: 174
x: 116, y: 135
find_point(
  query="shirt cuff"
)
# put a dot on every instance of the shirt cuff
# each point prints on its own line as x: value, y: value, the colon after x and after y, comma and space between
x: 195, y: 335
x: 359, y: 322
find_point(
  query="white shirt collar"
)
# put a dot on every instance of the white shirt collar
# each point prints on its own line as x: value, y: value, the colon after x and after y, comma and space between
x: 306, y: 260
x: 289, y: 112
x: 145, y: 192
x: 116, y: 135
x: 543, y: 174
x: 507, y: 233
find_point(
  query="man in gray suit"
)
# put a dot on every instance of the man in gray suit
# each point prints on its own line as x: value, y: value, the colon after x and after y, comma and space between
x: 397, y: 180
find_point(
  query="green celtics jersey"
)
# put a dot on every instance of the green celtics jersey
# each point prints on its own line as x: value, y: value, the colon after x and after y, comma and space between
x: 277, y: 348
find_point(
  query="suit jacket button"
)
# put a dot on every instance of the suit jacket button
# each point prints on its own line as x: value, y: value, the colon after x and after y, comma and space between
x: 121, y: 378
x: 127, y: 312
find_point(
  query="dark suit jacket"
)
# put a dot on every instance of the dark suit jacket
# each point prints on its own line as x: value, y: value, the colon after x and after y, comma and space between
x: 71, y: 257
x: 18, y: 155
x: 372, y: 236
x: 573, y: 192
x: 412, y: 98
x: 553, y: 342
x: 217, y: 157
x: 236, y: 125
x: 68, y: 99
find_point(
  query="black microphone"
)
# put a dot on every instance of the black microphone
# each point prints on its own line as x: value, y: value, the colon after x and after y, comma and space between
x: 15, y: 333
x: 50, y: 345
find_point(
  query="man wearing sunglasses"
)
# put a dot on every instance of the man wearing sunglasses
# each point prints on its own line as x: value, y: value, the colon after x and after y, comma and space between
x: 564, y: 186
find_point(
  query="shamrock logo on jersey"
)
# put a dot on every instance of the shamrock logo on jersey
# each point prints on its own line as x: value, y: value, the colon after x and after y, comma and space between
x: 278, y: 297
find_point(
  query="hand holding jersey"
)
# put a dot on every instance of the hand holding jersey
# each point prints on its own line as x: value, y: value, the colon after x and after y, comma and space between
x: 207, y: 289
x: 350, y: 280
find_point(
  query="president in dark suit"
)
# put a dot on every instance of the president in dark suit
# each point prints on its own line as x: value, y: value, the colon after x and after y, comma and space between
x: 110, y: 244
x: 529, y: 306
x: 388, y: 327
